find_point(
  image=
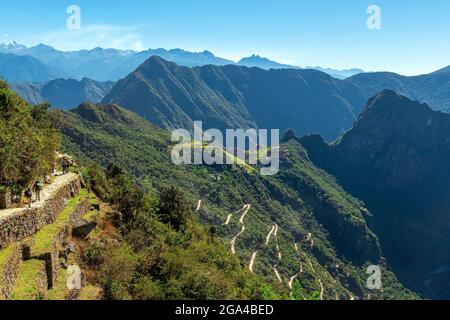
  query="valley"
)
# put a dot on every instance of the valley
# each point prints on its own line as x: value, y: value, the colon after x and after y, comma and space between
x: 305, y: 231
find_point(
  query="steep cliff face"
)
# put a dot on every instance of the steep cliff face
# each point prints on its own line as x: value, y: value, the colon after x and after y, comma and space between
x: 396, y: 159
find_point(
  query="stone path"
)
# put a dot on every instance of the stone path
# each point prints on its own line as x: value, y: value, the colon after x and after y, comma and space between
x: 47, y: 193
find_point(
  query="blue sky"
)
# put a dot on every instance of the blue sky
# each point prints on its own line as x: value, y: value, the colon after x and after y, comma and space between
x: 414, y: 38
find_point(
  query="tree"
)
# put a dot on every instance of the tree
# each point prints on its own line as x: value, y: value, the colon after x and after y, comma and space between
x: 27, y: 141
x: 173, y: 207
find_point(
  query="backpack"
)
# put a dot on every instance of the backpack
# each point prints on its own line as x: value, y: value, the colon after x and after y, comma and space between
x: 28, y: 194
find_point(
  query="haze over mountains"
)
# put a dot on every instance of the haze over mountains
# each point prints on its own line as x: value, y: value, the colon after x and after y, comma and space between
x: 222, y: 95
x: 63, y: 93
x: 15, y: 68
x: 111, y: 64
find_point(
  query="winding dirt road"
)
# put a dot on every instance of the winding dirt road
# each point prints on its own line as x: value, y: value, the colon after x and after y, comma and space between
x: 246, y: 209
x: 252, y: 261
x: 199, y: 205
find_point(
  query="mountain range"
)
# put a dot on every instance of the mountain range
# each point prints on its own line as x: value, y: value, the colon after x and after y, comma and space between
x: 223, y: 96
x: 433, y: 88
x: 111, y: 64
x: 173, y: 96
x: 371, y: 186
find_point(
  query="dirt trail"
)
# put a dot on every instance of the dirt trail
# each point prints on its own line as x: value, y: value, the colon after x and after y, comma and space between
x: 227, y: 222
x: 199, y: 205
x: 278, y: 246
x: 310, y: 239
x: 322, y: 289
x: 270, y: 235
x: 252, y: 261
x: 277, y: 274
x: 246, y: 209
x: 299, y: 259
x: 291, y: 282
x: 47, y: 193
x: 228, y: 219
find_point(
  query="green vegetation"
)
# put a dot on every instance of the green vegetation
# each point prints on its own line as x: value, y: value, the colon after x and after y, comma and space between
x: 6, y: 253
x: 89, y: 293
x: 302, y: 200
x: 44, y: 238
x: 31, y: 278
x: 27, y: 141
x: 59, y: 290
x: 164, y: 253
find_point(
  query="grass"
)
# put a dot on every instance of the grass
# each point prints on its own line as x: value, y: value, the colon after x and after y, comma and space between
x: 59, y: 290
x: 92, y: 214
x: 90, y: 293
x: 44, y: 238
x: 5, y: 254
x: 32, y: 273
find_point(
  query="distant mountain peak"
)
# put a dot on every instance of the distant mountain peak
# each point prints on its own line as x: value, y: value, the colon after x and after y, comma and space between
x: 12, y: 47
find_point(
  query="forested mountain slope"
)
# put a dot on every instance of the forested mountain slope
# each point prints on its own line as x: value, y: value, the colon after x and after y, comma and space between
x: 298, y: 225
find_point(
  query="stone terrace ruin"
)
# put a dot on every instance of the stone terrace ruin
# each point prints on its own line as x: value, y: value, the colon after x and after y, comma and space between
x: 34, y: 243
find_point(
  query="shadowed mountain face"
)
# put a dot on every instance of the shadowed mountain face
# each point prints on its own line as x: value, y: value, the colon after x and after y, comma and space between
x: 396, y: 159
x: 64, y: 94
x: 433, y: 88
x: 171, y: 96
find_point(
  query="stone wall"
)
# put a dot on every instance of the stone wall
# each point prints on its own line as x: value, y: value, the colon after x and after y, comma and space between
x: 26, y: 222
x: 9, y: 273
x: 5, y: 200
x: 60, y: 242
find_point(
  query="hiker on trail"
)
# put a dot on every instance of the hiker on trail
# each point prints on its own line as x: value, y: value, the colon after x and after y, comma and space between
x: 37, y: 188
x: 65, y: 166
x: 29, y: 196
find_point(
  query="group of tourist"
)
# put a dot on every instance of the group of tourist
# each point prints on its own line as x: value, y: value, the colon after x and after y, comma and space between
x: 37, y: 186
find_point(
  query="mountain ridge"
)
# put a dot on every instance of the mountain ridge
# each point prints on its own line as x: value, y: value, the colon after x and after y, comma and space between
x: 112, y: 64
x: 396, y: 151
x: 238, y: 97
